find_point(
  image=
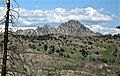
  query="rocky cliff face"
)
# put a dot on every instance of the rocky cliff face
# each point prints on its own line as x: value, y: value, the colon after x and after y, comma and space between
x: 75, y: 28
x: 71, y: 27
x: 46, y: 29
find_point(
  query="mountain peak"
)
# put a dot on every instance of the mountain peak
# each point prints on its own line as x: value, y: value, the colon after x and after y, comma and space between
x: 74, y: 22
x: 46, y: 26
x: 71, y: 24
x: 118, y: 27
x: 46, y: 29
x: 73, y: 27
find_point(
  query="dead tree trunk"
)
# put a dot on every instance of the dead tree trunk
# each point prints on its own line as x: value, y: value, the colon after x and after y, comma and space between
x: 4, y: 61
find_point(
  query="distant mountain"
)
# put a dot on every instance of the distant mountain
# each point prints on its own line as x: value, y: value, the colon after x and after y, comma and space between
x: 46, y: 29
x: 75, y: 28
x: 71, y: 27
x: 118, y: 27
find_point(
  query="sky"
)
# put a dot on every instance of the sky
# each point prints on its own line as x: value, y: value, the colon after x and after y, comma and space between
x: 109, y: 7
x: 95, y: 14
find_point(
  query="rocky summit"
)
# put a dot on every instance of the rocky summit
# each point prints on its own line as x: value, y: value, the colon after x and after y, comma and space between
x: 46, y: 29
x: 72, y: 27
x: 118, y: 27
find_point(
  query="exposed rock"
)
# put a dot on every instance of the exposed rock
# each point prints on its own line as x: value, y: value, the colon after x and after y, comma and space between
x: 72, y: 27
x: 46, y: 29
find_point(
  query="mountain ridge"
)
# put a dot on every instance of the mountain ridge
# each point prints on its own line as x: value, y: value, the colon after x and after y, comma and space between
x: 72, y: 27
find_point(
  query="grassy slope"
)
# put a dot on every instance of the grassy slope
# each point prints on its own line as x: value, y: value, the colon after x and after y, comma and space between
x: 90, y: 55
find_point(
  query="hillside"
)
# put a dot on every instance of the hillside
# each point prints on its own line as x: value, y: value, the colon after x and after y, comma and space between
x: 64, y: 55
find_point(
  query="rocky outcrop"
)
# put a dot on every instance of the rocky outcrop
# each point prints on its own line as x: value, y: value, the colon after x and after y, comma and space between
x: 46, y: 29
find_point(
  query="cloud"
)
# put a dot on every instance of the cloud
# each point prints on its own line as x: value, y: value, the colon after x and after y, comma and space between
x: 103, y: 30
x: 58, y: 15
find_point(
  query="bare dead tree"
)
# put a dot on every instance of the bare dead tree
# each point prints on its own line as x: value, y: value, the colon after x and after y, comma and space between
x: 4, y: 62
x: 8, y: 19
